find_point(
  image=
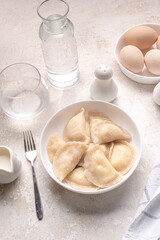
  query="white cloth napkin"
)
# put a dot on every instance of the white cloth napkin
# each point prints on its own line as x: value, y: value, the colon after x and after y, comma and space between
x: 146, y: 224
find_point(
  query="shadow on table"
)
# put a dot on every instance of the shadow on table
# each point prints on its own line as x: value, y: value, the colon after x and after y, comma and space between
x: 6, y: 190
x: 97, y: 204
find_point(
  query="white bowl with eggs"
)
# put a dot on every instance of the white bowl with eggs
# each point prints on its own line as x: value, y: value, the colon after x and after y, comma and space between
x: 144, y: 76
x: 58, y: 122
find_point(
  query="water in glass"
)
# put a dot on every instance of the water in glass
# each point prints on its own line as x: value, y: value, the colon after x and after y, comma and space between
x: 59, y: 49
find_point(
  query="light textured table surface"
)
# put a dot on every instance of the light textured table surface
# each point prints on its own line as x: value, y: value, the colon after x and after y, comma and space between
x: 70, y: 216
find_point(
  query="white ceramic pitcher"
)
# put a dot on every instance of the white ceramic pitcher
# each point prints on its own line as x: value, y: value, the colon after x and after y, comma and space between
x: 10, y: 165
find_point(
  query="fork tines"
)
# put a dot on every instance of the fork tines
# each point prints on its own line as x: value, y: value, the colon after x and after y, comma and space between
x: 29, y: 144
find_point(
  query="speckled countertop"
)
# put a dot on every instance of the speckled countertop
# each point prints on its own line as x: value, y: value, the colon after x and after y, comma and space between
x: 70, y: 216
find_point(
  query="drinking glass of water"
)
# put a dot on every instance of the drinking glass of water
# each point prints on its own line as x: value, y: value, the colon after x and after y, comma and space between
x: 23, y: 93
x: 58, y: 43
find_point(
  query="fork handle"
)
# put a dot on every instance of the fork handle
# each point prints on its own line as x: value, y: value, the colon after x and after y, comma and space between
x: 38, y: 204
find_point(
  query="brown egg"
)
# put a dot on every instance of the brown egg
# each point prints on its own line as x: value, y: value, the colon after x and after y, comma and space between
x: 142, y: 37
x: 158, y: 43
x: 132, y: 58
x: 152, y: 61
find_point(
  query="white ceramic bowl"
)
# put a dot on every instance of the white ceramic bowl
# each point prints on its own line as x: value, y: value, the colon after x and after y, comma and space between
x: 145, y: 76
x: 58, y: 121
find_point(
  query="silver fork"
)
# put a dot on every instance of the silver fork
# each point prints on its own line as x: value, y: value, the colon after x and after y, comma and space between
x: 31, y: 154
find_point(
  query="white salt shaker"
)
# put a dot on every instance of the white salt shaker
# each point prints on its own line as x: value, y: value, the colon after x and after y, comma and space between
x: 104, y: 88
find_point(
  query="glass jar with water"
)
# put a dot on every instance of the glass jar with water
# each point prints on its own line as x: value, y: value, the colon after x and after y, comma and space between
x: 58, y: 43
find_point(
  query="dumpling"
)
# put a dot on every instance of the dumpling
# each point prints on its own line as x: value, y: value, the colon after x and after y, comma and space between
x: 77, y: 128
x: 111, y: 145
x: 78, y: 180
x: 81, y: 162
x: 123, y: 156
x: 67, y: 157
x: 98, y: 169
x: 103, y: 130
x: 54, y: 143
x: 105, y: 149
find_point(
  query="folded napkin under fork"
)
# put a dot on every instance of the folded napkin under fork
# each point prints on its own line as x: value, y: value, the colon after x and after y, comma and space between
x: 146, y: 224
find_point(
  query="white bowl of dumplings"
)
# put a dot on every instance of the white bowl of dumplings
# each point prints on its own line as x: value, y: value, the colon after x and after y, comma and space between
x: 90, y: 147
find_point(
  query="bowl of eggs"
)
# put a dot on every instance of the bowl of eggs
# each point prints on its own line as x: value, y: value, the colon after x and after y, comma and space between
x: 138, y: 53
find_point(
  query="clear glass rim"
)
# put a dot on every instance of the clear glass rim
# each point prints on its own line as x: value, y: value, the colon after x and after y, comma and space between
x: 38, y: 11
x: 23, y: 63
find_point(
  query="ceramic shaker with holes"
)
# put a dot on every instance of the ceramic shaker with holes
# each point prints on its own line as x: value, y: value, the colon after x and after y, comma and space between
x: 104, y: 87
